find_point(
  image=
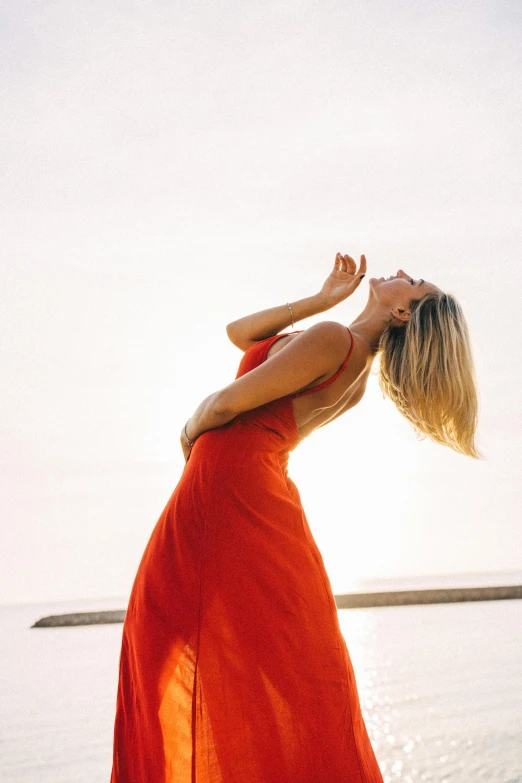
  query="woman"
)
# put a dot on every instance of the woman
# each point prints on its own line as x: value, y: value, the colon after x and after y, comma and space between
x: 233, y: 668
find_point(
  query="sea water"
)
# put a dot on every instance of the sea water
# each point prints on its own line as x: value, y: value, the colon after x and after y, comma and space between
x: 440, y: 688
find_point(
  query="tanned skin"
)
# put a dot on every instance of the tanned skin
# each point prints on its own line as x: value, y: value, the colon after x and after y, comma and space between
x: 298, y: 361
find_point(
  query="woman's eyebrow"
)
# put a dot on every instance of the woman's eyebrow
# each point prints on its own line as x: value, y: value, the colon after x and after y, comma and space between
x: 421, y: 282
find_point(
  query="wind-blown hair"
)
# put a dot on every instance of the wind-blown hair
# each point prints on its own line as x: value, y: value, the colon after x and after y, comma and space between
x: 426, y: 368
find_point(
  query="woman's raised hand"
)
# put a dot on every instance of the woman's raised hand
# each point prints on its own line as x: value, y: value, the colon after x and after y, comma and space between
x: 344, y: 279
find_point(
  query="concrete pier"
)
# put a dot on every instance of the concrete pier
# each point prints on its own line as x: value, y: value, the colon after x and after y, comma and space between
x: 441, y: 596
x: 345, y: 601
x: 80, y: 618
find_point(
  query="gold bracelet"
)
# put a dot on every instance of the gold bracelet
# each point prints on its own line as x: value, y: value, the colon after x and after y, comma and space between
x: 190, y: 442
x: 291, y: 313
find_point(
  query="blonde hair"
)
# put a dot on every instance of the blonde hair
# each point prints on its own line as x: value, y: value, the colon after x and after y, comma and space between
x: 426, y: 368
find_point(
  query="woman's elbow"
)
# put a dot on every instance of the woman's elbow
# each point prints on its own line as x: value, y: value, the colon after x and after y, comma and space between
x: 221, y: 406
x: 237, y: 339
x: 232, y: 334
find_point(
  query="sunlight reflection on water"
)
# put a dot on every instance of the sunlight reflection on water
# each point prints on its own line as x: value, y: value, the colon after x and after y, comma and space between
x: 439, y: 687
x: 439, y: 695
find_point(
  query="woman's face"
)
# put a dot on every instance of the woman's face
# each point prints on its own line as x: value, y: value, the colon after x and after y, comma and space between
x: 400, y: 289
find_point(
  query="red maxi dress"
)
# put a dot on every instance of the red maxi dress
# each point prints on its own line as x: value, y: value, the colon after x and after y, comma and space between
x: 233, y: 667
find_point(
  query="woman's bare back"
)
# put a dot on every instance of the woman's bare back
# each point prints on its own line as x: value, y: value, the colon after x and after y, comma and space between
x: 317, y: 408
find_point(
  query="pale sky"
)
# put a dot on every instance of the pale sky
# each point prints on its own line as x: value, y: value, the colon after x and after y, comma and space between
x: 167, y: 168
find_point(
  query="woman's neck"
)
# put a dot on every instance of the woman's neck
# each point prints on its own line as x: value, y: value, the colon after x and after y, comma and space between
x: 370, y: 324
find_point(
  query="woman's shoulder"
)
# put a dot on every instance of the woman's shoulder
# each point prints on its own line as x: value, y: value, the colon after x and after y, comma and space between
x: 330, y: 336
x: 323, y: 331
x: 331, y: 330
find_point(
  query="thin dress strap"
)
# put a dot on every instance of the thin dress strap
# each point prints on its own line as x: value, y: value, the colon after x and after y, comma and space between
x: 330, y: 380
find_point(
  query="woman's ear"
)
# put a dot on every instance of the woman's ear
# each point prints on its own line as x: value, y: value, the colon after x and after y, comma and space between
x: 400, y: 314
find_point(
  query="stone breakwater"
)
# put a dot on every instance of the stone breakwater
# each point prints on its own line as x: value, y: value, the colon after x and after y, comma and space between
x: 345, y: 601
x: 80, y: 618
x: 446, y: 595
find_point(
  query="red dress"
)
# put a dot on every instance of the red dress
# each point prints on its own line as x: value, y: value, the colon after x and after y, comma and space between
x: 233, y: 667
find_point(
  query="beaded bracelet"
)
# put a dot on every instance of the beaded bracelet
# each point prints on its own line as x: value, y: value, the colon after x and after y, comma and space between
x: 190, y: 442
x: 291, y: 313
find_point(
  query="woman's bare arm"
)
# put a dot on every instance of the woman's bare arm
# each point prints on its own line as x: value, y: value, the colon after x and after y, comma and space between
x: 341, y: 282
x: 258, y: 326
x: 316, y: 352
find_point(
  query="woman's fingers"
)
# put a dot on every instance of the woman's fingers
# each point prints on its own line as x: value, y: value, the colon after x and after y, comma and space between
x: 347, y: 264
x: 342, y: 263
x: 350, y: 263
